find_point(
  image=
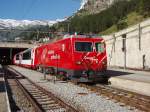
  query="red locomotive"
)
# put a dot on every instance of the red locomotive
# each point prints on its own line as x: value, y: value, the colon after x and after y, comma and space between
x: 75, y: 57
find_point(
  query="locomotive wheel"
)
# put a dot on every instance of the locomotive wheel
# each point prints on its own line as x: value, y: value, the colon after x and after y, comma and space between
x: 51, y: 70
x: 40, y: 69
x: 62, y: 75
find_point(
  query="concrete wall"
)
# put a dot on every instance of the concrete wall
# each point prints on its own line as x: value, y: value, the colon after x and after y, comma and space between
x: 15, y: 45
x: 136, y: 53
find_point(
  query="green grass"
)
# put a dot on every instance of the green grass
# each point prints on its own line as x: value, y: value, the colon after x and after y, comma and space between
x: 134, y: 18
x: 110, y: 30
x: 131, y: 19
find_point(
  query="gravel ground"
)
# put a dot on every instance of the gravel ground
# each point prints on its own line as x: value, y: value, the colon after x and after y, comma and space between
x: 79, y: 97
x: 19, y: 102
x: 3, y: 100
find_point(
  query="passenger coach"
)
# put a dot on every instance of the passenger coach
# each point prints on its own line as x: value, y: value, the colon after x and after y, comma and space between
x: 26, y: 58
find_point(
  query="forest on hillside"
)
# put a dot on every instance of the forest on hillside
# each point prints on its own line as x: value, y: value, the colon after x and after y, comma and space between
x: 115, y: 14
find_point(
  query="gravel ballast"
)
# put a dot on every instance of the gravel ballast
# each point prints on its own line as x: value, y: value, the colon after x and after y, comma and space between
x: 79, y: 97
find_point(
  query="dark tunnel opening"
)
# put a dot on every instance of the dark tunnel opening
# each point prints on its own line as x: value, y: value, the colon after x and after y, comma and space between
x: 7, y: 54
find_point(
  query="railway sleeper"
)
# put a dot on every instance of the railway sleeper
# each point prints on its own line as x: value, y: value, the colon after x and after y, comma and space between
x: 145, y: 99
x: 144, y: 108
x: 117, y: 98
x: 52, y: 106
x: 37, y: 93
x: 47, y: 106
x: 107, y: 94
x: 143, y: 102
x: 30, y: 87
x: 47, y: 102
x: 48, y: 99
x: 33, y: 91
x: 56, y: 110
x: 44, y: 96
x: 43, y: 100
x: 40, y: 97
x: 60, y: 110
x: 124, y: 100
x: 134, y: 104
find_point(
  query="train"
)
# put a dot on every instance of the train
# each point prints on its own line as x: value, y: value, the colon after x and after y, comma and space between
x: 75, y: 57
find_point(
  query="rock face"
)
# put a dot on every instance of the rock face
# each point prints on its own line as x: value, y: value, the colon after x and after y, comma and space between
x: 96, y: 6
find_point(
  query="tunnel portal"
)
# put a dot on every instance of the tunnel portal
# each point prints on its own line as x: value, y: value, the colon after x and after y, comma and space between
x: 7, y: 54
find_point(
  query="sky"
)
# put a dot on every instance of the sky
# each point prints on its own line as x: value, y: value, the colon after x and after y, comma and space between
x: 38, y: 9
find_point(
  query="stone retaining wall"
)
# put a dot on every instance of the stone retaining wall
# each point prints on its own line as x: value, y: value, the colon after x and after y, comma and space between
x: 130, y: 48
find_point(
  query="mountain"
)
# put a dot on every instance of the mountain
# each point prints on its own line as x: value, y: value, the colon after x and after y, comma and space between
x: 83, y: 2
x: 7, y: 24
x: 94, y: 6
x: 11, y: 23
x: 106, y: 16
x: 87, y: 6
x: 10, y: 28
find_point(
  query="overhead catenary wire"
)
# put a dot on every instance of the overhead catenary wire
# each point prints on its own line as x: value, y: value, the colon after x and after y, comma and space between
x: 30, y: 31
x: 9, y: 30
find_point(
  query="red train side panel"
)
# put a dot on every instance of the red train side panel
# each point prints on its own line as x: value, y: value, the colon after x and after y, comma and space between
x: 76, y: 56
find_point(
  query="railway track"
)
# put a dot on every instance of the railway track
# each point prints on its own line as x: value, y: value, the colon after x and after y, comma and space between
x: 125, y: 98
x: 40, y: 99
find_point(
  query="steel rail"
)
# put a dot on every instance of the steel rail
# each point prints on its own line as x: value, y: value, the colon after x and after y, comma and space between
x: 41, y: 90
x: 25, y: 92
x: 125, y: 98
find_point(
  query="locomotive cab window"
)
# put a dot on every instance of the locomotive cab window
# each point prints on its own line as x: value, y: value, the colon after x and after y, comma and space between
x: 100, y: 47
x: 83, y: 46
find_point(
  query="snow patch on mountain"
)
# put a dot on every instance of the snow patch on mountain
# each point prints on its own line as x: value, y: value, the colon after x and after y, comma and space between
x: 83, y: 2
x: 11, y: 23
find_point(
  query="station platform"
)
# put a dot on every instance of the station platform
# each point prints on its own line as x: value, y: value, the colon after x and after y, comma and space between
x: 130, y: 80
x: 4, y: 107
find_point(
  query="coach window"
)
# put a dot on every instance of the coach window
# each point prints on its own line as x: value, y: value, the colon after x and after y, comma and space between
x: 17, y: 57
x: 83, y: 46
x: 27, y: 55
x: 100, y: 47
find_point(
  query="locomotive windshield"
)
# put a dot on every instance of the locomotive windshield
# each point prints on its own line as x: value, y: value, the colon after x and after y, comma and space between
x: 83, y: 46
x: 100, y: 47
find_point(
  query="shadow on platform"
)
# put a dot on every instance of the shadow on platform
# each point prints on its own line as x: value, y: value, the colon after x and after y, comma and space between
x: 113, y: 73
x: 2, y: 88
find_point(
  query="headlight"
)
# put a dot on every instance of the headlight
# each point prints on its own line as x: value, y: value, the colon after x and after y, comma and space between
x: 78, y: 62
